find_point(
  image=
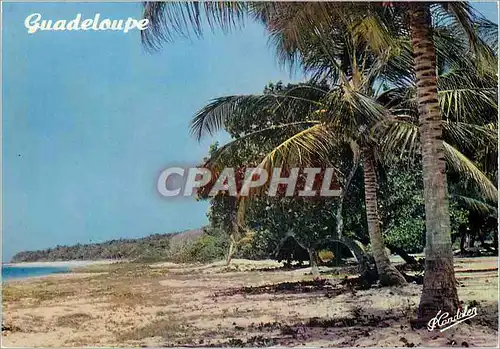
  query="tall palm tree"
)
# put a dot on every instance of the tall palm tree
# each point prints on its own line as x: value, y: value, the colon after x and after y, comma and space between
x: 439, y: 292
x: 347, y: 111
x: 287, y: 22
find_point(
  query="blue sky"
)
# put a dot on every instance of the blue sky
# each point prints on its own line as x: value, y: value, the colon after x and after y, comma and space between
x: 90, y: 119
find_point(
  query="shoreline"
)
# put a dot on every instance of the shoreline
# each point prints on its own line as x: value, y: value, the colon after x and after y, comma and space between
x: 67, y: 269
x: 60, y: 264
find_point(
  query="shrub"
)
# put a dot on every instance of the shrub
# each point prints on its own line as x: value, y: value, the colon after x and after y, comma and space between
x: 206, y: 248
x: 326, y: 255
x: 409, y: 235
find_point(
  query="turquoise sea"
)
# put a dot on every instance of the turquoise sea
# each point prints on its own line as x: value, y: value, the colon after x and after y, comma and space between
x: 19, y: 272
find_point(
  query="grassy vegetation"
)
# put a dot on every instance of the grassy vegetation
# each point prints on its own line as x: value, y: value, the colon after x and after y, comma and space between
x: 73, y: 320
x: 165, y: 328
x: 48, y: 290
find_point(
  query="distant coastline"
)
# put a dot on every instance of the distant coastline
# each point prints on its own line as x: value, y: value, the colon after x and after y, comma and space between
x: 155, y: 247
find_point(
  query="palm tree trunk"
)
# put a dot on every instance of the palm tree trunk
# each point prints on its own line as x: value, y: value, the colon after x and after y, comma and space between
x: 233, y: 229
x: 439, y: 291
x: 388, y: 275
x: 313, y: 262
x: 359, y: 255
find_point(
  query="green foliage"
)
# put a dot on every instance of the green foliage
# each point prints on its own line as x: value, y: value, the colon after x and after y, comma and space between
x: 152, y: 247
x: 185, y: 247
x: 257, y: 247
x: 326, y: 255
x: 409, y: 235
x: 401, y: 205
x: 207, y: 248
x: 262, y: 127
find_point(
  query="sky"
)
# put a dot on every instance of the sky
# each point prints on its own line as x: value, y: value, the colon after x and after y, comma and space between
x: 90, y: 119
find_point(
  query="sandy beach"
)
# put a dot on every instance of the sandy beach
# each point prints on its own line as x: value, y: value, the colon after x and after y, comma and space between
x: 245, y: 304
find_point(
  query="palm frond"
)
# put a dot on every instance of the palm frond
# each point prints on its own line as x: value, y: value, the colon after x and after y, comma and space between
x: 168, y: 19
x: 397, y: 136
x: 264, y: 137
x: 379, y: 27
x: 215, y: 115
x: 353, y: 111
x: 462, y: 15
x: 212, y: 117
x: 290, y: 25
x: 470, y: 136
x: 460, y: 163
x: 306, y: 147
x: 469, y: 104
x: 488, y: 32
x: 476, y: 205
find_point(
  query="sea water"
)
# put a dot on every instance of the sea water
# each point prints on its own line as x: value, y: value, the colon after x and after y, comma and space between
x: 19, y: 272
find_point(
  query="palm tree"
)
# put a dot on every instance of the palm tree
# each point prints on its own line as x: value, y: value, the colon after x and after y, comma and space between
x: 288, y: 30
x: 288, y: 22
x: 347, y: 111
x: 439, y: 292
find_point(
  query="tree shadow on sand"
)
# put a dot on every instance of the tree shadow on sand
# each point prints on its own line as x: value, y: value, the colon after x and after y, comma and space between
x: 319, y: 285
x: 282, y: 288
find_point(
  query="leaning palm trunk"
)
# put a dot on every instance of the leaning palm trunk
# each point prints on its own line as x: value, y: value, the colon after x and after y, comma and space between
x: 359, y: 255
x: 439, y: 291
x: 388, y: 275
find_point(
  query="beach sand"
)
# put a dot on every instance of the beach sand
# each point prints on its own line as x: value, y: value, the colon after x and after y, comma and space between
x: 127, y: 304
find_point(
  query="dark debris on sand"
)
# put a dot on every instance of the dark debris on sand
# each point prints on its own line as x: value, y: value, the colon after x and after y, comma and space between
x: 284, y: 287
x: 281, y: 334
